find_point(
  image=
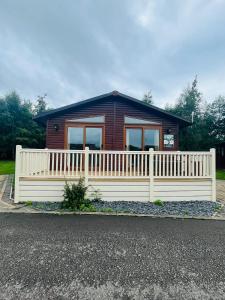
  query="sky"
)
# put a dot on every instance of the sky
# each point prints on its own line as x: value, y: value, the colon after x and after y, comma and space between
x: 76, y: 49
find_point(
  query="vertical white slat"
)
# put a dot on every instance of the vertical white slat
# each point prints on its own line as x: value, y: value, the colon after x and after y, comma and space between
x: 115, y: 164
x: 204, y: 165
x: 92, y: 158
x: 68, y: 163
x: 81, y: 164
x: 96, y: 161
x: 127, y: 164
x: 103, y: 166
x: 130, y: 164
x: 151, y: 175
x: 17, y: 174
x: 119, y: 163
x: 138, y: 165
x: 123, y: 162
x: 73, y: 164
x: 86, y: 165
x: 57, y: 163
x: 76, y: 157
x: 175, y: 165
x: 111, y: 162
x: 164, y: 164
x: 135, y: 165
x: 146, y: 164
x: 185, y: 164
x: 53, y: 163
x: 107, y: 164
x: 156, y: 164
x: 60, y: 163
x: 142, y: 165
x: 160, y: 162
x: 64, y: 164
x: 100, y: 164
x: 196, y: 165
x: 171, y: 164
x: 200, y: 165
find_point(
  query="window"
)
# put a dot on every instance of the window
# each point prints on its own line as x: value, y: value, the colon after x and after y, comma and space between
x: 75, y: 138
x: 134, y: 139
x: 130, y: 120
x: 138, y: 139
x: 151, y: 139
x: 96, y: 119
x: 94, y: 138
x: 79, y: 137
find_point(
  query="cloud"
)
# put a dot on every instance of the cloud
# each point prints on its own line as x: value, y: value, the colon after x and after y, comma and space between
x: 73, y: 50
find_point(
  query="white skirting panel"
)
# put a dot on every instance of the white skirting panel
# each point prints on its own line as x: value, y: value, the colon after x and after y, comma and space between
x: 44, y: 190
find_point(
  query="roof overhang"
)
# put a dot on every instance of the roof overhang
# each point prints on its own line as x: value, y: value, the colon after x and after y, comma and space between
x: 43, y: 117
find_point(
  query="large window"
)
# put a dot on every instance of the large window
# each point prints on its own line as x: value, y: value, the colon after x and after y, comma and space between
x: 79, y: 137
x: 138, y: 139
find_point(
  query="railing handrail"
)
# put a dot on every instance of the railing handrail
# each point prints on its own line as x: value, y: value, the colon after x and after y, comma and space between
x: 117, y: 151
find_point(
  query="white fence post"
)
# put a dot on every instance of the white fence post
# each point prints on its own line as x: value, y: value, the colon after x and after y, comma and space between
x: 86, y: 165
x: 17, y: 174
x: 151, y: 174
x: 213, y: 170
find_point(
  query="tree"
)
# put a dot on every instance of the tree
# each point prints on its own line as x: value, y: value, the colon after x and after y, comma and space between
x: 148, y: 98
x: 17, y: 126
x: 41, y: 105
x: 190, y: 103
x: 215, y: 118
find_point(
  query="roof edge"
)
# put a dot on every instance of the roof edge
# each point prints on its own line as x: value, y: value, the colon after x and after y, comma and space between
x: 40, y: 117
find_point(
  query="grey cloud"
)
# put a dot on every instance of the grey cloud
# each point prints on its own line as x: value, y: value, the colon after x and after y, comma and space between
x: 77, y: 49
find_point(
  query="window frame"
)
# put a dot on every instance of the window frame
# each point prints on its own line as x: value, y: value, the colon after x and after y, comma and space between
x: 84, y: 126
x: 143, y: 127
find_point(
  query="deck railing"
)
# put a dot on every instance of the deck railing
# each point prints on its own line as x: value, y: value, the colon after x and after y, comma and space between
x: 92, y: 163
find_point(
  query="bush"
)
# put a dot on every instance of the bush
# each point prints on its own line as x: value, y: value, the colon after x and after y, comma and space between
x: 75, y: 195
x: 158, y: 202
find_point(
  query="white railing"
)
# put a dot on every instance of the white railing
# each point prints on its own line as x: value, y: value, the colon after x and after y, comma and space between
x: 92, y: 163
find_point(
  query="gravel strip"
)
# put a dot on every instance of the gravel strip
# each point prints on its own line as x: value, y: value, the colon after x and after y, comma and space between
x: 190, y: 208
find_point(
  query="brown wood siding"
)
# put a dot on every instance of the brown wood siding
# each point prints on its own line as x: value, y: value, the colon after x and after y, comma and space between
x: 114, y: 109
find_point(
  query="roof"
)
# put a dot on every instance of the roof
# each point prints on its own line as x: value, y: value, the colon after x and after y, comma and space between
x: 42, y: 117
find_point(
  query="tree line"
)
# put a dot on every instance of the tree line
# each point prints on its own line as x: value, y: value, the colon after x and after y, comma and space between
x: 18, y: 127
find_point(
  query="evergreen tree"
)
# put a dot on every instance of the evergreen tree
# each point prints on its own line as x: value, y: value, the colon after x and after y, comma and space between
x: 148, y: 98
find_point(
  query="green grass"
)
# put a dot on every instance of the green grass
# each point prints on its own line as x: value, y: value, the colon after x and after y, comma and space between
x: 7, y: 167
x: 220, y: 174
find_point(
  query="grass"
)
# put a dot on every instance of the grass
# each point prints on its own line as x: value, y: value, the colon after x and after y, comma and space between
x: 220, y: 174
x: 7, y: 167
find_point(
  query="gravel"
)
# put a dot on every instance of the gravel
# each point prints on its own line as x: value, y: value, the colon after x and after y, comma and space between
x: 190, y: 208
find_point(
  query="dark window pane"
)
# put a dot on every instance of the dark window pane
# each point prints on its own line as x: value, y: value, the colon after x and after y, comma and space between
x: 75, y: 138
x: 151, y: 139
x: 134, y: 139
x: 94, y: 138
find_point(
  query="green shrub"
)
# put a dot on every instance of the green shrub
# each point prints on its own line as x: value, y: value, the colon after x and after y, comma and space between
x: 87, y: 207
x: 75, y: 195
x: 29, y: 203
x: 158, y: 202
x: 107, y: 209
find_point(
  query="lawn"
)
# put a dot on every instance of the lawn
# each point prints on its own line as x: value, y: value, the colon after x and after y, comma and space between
x: 7, y: 167
x: 220, y: 174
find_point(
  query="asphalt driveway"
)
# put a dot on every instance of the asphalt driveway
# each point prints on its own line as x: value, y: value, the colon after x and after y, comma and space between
x: 108, y: 257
